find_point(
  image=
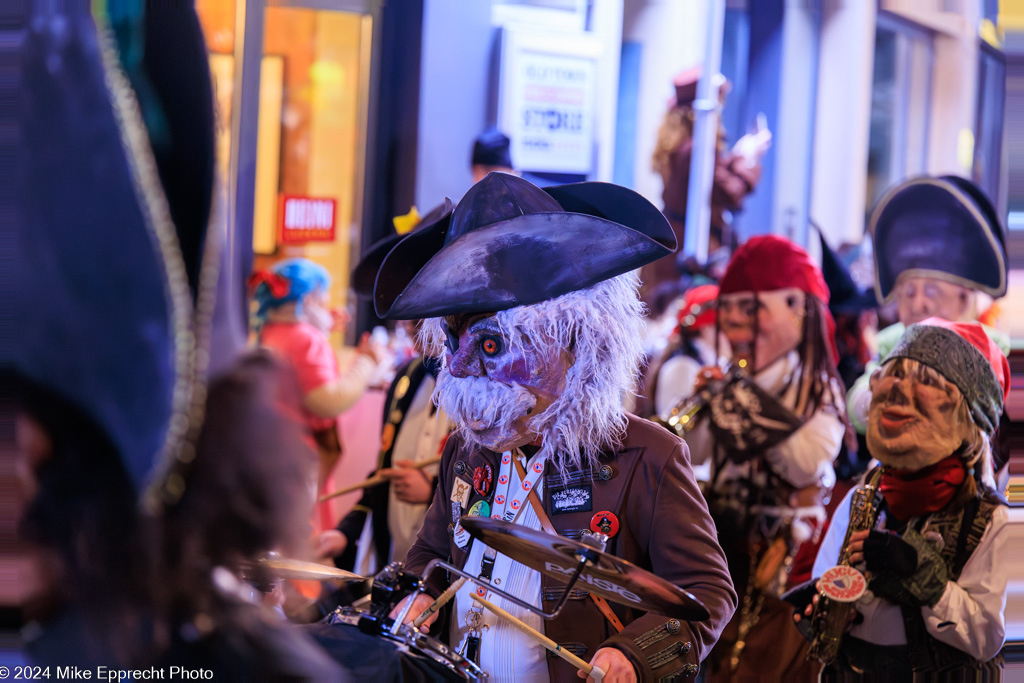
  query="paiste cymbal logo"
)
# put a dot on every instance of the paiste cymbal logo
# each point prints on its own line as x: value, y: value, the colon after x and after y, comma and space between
x: 596, y: 582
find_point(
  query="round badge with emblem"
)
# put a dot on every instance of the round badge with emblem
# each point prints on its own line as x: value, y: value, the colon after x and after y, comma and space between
x: 842, y: 583
x: 604, y: 522
x: 480, y: 509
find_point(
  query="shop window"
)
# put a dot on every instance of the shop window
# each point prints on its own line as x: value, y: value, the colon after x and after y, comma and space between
x: 988, y: 127
x: 900, y: 104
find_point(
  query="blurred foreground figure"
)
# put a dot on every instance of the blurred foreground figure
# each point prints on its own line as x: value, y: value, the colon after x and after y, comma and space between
x: 539, y: 338
x: 770, y: 427
x: 115, y: 272
x: 931, y: 534
x: 247, y: 494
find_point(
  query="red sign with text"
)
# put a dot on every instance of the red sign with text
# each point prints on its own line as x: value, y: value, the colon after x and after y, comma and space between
x: 306, y: 219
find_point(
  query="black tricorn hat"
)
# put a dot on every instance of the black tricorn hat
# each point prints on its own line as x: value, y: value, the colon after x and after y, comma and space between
x: 938, y: 227
x: 113, y: 191
x: 845, y: 295
x: 509, y: 243
x: 365, y: 272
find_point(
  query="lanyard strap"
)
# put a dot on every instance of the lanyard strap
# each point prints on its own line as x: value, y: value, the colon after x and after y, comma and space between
x: 509, y: 503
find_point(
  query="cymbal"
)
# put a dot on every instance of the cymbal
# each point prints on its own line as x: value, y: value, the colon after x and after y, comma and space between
x: 286, y: 568
x: 608, y: 576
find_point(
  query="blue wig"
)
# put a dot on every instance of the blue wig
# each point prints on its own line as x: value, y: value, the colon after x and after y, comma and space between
x: 287, y: 281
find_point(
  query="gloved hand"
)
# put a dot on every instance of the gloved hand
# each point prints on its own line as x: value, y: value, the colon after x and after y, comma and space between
x: 905, y: 569
x: 886, y: 551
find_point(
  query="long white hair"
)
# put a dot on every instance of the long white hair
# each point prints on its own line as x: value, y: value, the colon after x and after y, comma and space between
x: 601, y: 328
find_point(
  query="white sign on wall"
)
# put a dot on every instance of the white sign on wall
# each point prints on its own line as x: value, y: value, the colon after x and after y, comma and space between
x: 546, y: 101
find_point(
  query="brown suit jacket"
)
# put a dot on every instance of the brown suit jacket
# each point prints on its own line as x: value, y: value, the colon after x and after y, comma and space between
x: 664, y: 528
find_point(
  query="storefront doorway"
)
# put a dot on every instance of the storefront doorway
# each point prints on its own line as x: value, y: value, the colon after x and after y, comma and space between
x: 294, y: 131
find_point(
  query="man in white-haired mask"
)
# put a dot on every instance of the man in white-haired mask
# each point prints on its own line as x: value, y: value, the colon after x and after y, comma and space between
x: 531, y: 305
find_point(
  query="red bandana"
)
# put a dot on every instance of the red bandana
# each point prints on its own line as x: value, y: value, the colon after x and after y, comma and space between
x: 911, y: 494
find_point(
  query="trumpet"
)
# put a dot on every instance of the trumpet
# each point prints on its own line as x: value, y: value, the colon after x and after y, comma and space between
x: 831, y: 617
x: 688, y: 413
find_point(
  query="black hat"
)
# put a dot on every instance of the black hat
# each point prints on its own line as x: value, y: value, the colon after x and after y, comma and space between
x: 845, y: 295
x: 938, y: 227
x: 365, y: 272
x: 491, y: 148
x: 103, y: 308
x: 509, y: 243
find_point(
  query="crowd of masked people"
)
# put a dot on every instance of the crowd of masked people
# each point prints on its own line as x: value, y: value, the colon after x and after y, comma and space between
x: 159, y: 458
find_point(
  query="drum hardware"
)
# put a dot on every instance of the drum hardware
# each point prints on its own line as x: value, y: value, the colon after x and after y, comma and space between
x: 390, y: 586
x: 582, y: 562
x: 569, y: 562
x: 374, y: 480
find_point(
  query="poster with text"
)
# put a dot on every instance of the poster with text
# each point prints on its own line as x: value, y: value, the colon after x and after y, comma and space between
x: 547, y: 108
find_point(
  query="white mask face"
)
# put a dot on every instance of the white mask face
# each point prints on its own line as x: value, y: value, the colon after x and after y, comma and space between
x: 918, y: 298
x: 780, y: 319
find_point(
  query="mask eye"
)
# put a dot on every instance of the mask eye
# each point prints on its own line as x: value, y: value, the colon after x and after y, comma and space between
x: 491, y: 346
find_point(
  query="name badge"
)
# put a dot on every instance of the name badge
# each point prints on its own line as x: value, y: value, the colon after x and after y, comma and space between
x: 572, y: 499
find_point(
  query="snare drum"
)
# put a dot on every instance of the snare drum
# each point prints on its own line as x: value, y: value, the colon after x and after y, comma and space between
x: 408, y: 655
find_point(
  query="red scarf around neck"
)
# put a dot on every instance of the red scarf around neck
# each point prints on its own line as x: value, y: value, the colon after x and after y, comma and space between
x: 912, y: 494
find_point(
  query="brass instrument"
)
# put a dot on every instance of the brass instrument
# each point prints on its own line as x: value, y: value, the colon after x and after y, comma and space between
x: 831, y: 617
x: 688, y: 413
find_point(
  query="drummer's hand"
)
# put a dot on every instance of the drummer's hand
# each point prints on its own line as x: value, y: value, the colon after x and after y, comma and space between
x: 423, y: 601
x: 411, y: 485
x: 330, y: 543
x: 617, y: 668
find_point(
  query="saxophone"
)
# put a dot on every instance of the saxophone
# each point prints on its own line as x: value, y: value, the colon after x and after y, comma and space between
x: 688, y: 413
x: 831, y: 617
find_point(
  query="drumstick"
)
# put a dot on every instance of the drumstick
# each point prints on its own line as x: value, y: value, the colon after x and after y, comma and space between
x: 373, y: 481
x: 441, y: 601
x: 551, y: 645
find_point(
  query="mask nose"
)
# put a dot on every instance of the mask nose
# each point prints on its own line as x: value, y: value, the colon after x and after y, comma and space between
x: 465, y: 363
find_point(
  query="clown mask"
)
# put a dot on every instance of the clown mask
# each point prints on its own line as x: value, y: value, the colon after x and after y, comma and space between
x: 778, y: 326
x: 918, y: 298
x: 492, y: 388
x: 917, y: 416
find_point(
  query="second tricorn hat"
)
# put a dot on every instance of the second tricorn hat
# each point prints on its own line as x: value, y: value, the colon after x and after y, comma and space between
x: 943, y: 228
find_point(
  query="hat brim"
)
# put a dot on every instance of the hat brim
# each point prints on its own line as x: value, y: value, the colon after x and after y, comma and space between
x: 364, y: 275
x: 523, y: 260
x: 931, y: 227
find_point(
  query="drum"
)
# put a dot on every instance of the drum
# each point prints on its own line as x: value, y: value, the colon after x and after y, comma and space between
x: 406, y: 656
